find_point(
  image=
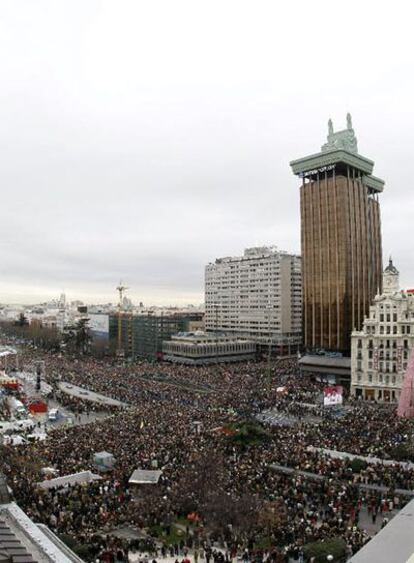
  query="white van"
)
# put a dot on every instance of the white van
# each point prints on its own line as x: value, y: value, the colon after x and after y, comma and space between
x: 53, y: 415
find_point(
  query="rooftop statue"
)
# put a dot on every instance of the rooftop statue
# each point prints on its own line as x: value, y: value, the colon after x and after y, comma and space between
x: 341, y: 140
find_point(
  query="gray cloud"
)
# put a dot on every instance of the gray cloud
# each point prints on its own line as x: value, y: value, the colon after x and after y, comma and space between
x: 142, y: 140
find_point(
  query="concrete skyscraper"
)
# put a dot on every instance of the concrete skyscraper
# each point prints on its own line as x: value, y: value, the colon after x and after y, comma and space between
x: 257, y: 296
x: 341, y: 240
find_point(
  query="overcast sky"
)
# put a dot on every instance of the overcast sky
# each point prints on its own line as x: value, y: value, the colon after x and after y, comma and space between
x: 142, y: 139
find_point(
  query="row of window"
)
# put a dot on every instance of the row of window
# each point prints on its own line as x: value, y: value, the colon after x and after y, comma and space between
x: 380, y: 378
x: 382, y: 344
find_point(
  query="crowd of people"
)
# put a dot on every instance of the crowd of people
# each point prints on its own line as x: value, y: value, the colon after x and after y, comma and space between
x: 184, y: 421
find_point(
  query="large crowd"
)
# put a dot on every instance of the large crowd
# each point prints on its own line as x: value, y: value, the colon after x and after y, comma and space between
x: 184, y: 421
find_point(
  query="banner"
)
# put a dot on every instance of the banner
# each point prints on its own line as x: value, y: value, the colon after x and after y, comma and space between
x: 99, y: 324
x: 332, y: 395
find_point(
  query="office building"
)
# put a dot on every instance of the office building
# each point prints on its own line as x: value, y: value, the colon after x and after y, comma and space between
x: 380, y: 351
x: 201, y: 348
x: 341, y: 240
x: 142, y: 336
x: 256, y: 296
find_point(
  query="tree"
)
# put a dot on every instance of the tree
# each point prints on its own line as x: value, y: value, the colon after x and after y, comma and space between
x: 201, y: 480
x: 83, y: 338
x: 77, y: 337
x: 235, y: 517
x: 321, y: 549
x: 22, y: 320
x: 249, y: 433
x: 271, y: 516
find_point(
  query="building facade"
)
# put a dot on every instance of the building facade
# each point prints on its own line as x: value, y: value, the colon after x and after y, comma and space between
x: 380, y: 351
x: 200, y: 348
x: 257, y: 296
x: 340, y: 238
x: 142, y: 336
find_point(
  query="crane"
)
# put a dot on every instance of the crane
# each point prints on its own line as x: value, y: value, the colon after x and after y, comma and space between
x: 121, y: 288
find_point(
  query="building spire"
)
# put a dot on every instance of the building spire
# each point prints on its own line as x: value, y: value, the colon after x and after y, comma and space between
x: 391, y: 269
x: 390, y: 279
x: 348, y: 121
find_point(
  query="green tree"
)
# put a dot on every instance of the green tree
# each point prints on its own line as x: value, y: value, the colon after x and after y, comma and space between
x: 321, y: 549
x: 22, y: 320
x: 77, y: 337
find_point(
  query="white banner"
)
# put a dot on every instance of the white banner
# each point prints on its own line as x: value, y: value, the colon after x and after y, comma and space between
x: 99, y: 323
x: 332, y: 395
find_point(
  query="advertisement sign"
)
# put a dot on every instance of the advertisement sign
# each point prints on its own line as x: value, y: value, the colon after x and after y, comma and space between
x: 332, y: 395
x: 99, y: 324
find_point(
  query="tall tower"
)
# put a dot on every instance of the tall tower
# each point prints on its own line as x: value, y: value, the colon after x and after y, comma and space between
x: 341, y: 239
x: 390, y: 279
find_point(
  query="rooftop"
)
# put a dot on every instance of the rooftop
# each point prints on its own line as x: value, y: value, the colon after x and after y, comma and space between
x: 201, y: 337
x: 145, y: 477
x: 256, y: 252
x: 23, y: 541
x: 341, y: 148
x: 393, y: 543
x: 326, y: 361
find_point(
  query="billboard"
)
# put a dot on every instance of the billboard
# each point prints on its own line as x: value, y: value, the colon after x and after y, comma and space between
x: 332, y: 395
x: 99, y: 324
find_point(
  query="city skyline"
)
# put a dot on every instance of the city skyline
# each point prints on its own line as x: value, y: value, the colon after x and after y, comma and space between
x: 150, y: 155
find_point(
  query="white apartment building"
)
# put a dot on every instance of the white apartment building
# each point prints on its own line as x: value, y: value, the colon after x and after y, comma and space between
x: 380, y: 351
x: 257, y: 296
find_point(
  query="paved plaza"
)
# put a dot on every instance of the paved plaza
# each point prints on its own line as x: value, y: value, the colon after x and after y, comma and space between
x: 87, y: 395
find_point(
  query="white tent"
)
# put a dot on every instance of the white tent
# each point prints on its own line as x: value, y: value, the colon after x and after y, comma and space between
x: 69, y: 480
x: 144, y: 477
